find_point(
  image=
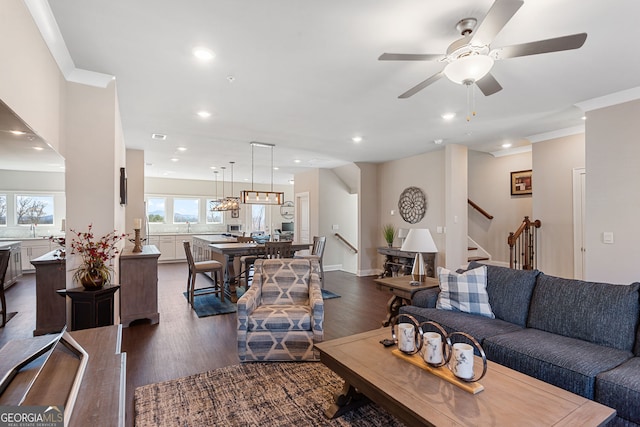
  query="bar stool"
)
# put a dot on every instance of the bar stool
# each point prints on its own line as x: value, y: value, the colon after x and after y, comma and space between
x: 212, y: 266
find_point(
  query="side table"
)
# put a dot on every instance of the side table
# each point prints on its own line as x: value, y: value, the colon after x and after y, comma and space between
x: 91, y: 309
x: 139, y: 285
x: 402, y: 292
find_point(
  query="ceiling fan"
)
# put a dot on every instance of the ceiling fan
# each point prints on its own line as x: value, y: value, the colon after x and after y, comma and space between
x: 470, y: 59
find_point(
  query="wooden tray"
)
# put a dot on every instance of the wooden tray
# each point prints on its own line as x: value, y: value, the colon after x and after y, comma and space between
x: 442, y: 372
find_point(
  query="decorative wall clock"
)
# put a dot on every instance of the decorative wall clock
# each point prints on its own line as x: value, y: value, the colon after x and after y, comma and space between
x: 287, y: 210
x: 412, y: 204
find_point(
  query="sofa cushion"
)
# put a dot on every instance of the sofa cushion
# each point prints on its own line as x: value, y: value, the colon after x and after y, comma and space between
x: 619, y: 388
x: 426, y: 298
x: 509, y: 292
x: 478, y: 327
x: 465, y: 292
x: 569, y: 363
x: 601, y: 313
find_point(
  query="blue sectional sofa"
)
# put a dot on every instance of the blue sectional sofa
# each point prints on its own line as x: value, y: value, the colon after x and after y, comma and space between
x: 580, y: 336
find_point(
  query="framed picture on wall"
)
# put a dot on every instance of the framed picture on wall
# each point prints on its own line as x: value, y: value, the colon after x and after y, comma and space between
x: 521, y: 183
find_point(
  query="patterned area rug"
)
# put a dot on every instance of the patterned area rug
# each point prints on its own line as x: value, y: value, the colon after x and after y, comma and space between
x: 252, y: 394
x: 210, y: 305
x: 328, y: 294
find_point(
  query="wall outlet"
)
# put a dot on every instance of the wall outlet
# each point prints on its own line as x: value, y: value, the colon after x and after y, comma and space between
x: 439, y: 229
x: 607, y: 237
x: 335, y: 227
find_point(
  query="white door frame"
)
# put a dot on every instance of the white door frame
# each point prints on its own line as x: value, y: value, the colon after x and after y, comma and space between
x: 579, y: 249
x: 300, y: 199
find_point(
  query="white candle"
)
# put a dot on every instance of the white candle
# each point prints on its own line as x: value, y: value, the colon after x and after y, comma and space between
x: 63, y: 227
x: 137, y: 223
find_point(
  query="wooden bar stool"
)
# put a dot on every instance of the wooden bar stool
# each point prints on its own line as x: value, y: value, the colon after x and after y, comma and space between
x: 214, y: 267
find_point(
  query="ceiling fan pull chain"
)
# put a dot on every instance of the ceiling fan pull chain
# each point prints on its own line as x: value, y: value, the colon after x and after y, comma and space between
x: 468, y: 102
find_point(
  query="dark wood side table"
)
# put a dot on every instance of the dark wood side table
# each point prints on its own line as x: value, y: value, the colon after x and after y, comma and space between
x: 91, y: 309
x: 402, y: 291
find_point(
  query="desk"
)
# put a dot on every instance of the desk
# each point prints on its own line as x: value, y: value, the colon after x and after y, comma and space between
x: 401, y: 262
x: 402, y: 292
x: 231, y: 250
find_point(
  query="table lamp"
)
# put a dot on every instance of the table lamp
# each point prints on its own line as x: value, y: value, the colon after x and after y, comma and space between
x: 419, y: 240
x: 402, y: 234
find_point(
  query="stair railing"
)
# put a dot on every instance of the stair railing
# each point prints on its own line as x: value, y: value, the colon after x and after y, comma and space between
x: 475, y: 206
x: 523, y: 245
x: 346, y: 242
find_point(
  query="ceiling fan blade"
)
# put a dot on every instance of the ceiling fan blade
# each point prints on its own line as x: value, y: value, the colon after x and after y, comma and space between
x: 417, y: 88
x: 500, y: 13
x: 574, y: 41
x: 488, y: 85
x: 409, y: 57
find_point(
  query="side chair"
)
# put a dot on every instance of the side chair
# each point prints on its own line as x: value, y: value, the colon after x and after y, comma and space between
x: 212, y: 266
x: 317, y: 252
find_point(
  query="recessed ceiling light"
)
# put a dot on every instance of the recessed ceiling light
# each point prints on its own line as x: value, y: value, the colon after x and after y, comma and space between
x: 203, y: 54
x: 204, y: 114
x: 181, y: 148
x: 38, y: 148
x: 291, y: 181
x: 297, y: 161
x: 275, y: 168
x: 448, y: 116
x: 213, y: 167
x: 158, y: 136
x: 438, y: 141
x: 231, y: 79
x: 506, y: 145
x: 584, y: 117
x: 175, y: 159
x: 356, y: 139
x: 17, y: 132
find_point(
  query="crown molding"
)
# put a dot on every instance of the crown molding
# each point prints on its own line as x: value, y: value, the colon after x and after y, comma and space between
x: 609, y: 100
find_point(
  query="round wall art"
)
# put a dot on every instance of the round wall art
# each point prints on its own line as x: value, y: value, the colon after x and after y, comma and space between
x: 412, y: 204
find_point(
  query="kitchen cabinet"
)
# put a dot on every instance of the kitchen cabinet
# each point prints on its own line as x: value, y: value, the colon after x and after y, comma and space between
x: 32, y: 249
x: 180, y: 254
x: 14, y: 269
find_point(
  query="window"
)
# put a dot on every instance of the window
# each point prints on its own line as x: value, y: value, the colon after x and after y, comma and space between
x: 258, y: 218
x: 34, y: 209
x: 214, y: 217
x: 3, y: 209
x: 156, y: 211
x: 186, y: 210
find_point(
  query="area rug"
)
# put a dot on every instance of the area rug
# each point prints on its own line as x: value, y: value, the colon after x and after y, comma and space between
x: 328, y: 294
x: 210, y: 305
x: 252, y: 394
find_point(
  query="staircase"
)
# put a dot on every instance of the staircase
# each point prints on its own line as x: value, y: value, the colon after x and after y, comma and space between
x: 475, y: 252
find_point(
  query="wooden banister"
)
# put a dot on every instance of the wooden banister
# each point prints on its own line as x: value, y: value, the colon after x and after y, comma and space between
x: 343, y: 240
x: 479, y: 209
x: 523, y: 245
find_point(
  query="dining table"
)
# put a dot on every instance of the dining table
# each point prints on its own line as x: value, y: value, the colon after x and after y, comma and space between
x: 227, y: 254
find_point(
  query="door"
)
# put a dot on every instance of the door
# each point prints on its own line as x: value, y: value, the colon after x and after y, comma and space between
x: 302, y: 218
x: 579, y: 250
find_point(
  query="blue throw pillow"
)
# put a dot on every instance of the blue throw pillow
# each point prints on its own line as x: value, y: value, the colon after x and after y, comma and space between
x: 465, y: 292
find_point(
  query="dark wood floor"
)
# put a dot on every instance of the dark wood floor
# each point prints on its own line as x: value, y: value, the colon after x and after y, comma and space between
x: 183, y: 344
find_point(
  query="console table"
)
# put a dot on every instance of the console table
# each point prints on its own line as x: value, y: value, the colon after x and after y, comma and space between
x: 139, y: 285
x: 398, y: 262
x: 51, y: 276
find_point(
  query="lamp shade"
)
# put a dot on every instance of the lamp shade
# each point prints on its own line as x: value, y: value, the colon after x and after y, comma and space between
x: 468, y: 69
x: 419, y: 240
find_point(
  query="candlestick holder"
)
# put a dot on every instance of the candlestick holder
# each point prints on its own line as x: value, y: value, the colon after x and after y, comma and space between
x: 137, y: 244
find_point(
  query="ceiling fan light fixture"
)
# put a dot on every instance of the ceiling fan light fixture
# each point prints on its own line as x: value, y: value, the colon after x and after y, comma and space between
x: 468, y: 69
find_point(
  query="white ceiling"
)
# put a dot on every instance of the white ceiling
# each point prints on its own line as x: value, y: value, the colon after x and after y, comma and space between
x: 307, y: 77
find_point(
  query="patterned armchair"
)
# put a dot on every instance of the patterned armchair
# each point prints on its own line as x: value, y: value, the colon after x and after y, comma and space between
x: 280, y: 317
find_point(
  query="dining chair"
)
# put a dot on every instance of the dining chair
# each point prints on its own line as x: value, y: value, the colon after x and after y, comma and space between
x: 317, y: 252
x: 272, y: 250
x: 214, y: 267
x: 5, y: 254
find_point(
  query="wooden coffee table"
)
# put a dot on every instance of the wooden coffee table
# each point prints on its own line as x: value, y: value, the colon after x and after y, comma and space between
x: 402, y: 291
x: 419, y: 398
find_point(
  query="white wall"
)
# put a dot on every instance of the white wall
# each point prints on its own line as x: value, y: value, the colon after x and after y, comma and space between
x: 553, y: 164
x: 135, y: 191
x: 369, y: 193
x: 489, y: 185
x: 612, y: 195
x: 456, y: 171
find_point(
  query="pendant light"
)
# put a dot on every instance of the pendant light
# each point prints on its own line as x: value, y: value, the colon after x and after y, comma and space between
x: 262, y: 197
x: 215, y: 203
x: 229, y: 203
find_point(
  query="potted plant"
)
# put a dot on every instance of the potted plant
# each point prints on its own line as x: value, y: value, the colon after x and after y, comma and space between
x: 94, y: 272
x: 389, y: 233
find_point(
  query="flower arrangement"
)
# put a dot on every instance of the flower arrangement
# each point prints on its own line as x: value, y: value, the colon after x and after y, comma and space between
x: 94, y: 271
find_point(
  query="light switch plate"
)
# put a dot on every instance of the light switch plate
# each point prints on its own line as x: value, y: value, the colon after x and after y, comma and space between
x: 607, y: 237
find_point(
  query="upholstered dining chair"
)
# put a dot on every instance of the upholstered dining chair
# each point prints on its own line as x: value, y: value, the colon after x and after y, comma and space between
x: 317, y: 252
x: 214, y: 267
x: 281, y: 316
x: 5, y: 255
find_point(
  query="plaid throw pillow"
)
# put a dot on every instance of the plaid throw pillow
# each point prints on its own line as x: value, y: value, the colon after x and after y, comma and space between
x: 466, y: 292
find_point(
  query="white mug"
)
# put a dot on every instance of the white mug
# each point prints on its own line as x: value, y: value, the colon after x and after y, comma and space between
x: 462, y: 361
x: 432, y: 348
x: 406, y: 337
